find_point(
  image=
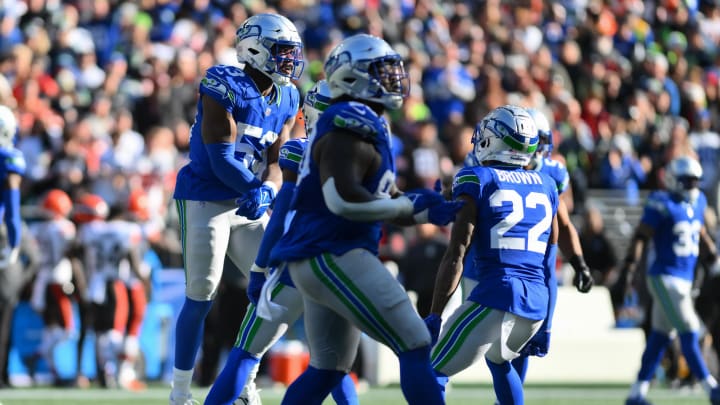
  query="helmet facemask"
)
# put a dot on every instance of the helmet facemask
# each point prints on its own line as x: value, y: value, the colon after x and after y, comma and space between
x: 389, y: 77
x: 682, y: 178
x: 544, y: 149
x: 366, y: 68
x: 317, y: 100
x: 270, y: 43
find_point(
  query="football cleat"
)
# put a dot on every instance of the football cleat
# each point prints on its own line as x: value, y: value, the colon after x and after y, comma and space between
x: 637, y: 401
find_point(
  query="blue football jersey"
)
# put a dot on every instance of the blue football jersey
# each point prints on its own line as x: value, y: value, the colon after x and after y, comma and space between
x: 291, y: 154
x: 676, y: 239
x: 515, y: 208
x: 11, y: 161
x: 556, y: 171
x: 259, y: 122
x: 311, y: 229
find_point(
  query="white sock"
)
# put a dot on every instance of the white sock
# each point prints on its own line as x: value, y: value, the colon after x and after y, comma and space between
x: 639, y: 389
x: 250, y: 390
x: 709, y: 383
x: 181, y: 380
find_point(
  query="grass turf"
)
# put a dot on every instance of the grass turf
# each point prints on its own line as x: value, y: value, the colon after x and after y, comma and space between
x: 458, y: 395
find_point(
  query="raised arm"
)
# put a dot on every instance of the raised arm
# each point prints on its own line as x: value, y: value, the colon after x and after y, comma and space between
x: 219, y: 132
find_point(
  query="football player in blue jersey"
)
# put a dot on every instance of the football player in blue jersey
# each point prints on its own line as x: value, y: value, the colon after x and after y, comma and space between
x: 568, y: 242
x: 514, y: 210
x: 674, y: 219
x: 243, y: 117
x: 257, y: 334
x: 12, y: 168
x: 346, y: 188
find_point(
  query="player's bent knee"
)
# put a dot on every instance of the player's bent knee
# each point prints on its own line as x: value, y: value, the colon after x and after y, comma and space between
x: 203, y: 290
x: 498, y: 356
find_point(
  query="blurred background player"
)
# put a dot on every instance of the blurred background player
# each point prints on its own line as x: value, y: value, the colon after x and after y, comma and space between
x: 346, y: 188
x: 515, y: 212
x: 243, y: 117
x: 133, y: 219
x: 109, y: 248
x: 12, y: 168
x: 674, y: 219
x: 258, y: 334
x: 53, y: 289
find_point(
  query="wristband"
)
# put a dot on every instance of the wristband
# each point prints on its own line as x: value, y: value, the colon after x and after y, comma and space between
x: 272, y: 186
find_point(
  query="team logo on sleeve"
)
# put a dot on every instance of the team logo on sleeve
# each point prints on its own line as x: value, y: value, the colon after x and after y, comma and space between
x: 218, y: 88
x: 465, y: 178
x: 354, y: 123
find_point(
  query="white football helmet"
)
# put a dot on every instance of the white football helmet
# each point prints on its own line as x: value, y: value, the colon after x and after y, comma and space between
x: 507, y: 134
x: 316, y: 101
x: 682, y: 177
x: 271, y: 44
x: 365, y: 67
x: 545, y: 144
x: 8, y: 127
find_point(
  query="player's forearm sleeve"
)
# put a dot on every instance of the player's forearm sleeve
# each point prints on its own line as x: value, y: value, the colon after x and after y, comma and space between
x: 12, y: 216
x: 551, y: 282
x: 275, y: 226
x: 375, y: 210
x: 228, y: 169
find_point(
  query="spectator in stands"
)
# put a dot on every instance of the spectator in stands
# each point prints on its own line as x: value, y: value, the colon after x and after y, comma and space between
x: 598, y: 250
x: 427, y: 156
x: 447, y: 86
x: 420, y: 263
x: 705, y: 141
x: 621, y: 169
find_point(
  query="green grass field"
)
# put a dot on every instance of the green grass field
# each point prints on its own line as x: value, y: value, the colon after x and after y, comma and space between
x: 458, y: 395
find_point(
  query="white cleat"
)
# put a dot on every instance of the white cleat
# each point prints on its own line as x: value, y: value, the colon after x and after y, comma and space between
x: 249, y: 396
x: 179, y: 399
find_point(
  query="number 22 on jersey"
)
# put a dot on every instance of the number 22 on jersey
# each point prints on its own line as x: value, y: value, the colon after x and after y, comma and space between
x: 533, y: 200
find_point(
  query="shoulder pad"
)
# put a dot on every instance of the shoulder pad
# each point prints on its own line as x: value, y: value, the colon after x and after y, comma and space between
x: 225, y: 83
x: 657, y: 201
x: 13, y: 160
x: 354, y: 117
x: 291, y: 154
x: 466, y: 181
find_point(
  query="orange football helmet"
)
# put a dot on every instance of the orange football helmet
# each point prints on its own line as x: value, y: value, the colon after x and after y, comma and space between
x: 90, y: 207
x: 57, y: 203
x: 138, y: 204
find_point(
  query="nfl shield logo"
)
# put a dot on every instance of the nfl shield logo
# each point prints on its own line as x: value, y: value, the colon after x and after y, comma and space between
x: 267, y: 112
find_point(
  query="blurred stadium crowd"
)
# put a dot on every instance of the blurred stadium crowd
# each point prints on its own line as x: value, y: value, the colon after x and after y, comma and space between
x: 105, y: 90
